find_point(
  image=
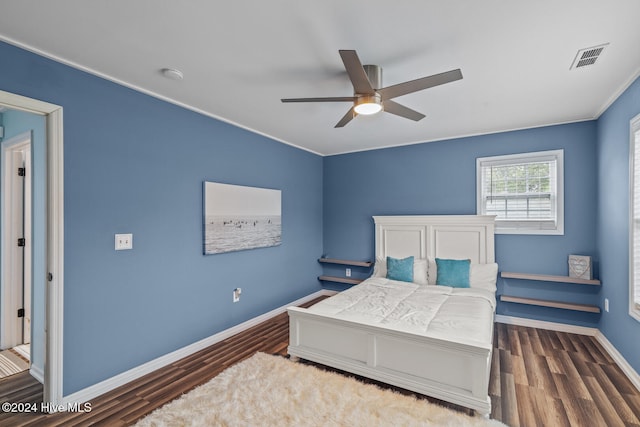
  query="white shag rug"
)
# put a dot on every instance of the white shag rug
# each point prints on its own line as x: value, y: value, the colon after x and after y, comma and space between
x: 269, y: 390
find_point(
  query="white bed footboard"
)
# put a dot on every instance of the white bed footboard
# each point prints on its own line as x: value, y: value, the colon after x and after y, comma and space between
x: 450, y: 371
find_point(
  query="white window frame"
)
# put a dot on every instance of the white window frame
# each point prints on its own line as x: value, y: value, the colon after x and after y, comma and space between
x: 525, y: 226
x: 634, y: 258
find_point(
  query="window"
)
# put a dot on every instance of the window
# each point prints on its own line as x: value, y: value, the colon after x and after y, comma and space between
x: 524, y: 191
x: 634, y: 220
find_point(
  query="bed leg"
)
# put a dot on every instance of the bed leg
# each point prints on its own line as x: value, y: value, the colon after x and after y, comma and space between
x: 294, y: 358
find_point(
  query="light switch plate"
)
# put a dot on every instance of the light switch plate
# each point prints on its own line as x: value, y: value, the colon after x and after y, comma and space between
x: 124, y: 241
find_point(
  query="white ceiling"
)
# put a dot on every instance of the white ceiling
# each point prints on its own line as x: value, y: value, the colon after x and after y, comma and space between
x: 239, y: 58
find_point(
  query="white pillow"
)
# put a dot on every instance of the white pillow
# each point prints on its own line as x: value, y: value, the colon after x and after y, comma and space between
x: 380, y: 268
x: 419, y: 270
x: 432, y: 271
x: 483, y: 276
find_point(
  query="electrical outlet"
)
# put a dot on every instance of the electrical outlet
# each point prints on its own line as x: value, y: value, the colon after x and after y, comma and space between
x: 236, y: 294
x: 348, y: 272
x: 606, y: 305
x: 124, y: 241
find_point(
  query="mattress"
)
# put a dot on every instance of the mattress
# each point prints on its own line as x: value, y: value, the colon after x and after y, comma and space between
x: 463, y: 315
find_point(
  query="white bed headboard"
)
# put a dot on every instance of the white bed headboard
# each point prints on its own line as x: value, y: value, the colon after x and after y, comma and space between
x: 442, y: 236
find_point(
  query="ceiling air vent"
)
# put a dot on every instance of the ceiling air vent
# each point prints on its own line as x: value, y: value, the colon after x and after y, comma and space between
x: 587, y: 56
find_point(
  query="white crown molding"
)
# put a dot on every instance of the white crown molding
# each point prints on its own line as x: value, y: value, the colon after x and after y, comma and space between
x: 465, y: 135
x: 140, y: 89
x: 186, y: 106
x: 112, y: 383
x: 614, y: 96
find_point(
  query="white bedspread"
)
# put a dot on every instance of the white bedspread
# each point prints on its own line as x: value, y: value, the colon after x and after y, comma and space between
x: 462, y: 315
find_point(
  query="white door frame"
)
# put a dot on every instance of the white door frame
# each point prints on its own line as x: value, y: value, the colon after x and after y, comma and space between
x: 15, y: 267
x: 28, y: 248
x: 54, y: 239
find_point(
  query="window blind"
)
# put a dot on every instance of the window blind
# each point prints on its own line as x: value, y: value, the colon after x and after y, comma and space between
x: 521, y: 190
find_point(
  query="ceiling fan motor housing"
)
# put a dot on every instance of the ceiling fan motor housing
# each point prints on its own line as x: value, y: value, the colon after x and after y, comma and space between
x: 374, y: 74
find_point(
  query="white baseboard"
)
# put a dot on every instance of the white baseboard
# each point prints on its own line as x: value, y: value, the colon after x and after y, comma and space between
x: 619, y: 359
x: 20, y: 349
x: 37, y: 373
x: 581, y: 330
x: 109, y: 384
x: 541, y: 324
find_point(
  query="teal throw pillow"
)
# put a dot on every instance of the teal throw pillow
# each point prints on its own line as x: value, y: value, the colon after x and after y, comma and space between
x: 453, y: 272
x: 400, y: 269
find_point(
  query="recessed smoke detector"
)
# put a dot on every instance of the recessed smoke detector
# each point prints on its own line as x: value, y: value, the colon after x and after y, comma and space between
x: 172, y: 73
x: 587, y: 56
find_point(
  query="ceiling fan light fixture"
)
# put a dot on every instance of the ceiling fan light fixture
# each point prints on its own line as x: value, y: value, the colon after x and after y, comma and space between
x: 368, y: 104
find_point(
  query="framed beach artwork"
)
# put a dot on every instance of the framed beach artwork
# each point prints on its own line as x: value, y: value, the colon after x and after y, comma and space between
x: 237, y: 218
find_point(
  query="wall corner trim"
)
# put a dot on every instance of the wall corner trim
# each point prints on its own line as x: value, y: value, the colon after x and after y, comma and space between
x: 114, y: 382
x: 622, y: 363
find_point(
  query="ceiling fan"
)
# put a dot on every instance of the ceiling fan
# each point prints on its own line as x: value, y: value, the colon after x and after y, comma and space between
x: 369, y: 97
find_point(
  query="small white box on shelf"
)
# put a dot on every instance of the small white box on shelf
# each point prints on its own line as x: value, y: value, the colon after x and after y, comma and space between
x: 580, y: 267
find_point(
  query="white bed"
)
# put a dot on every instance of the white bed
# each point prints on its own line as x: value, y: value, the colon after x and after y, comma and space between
x: 434, y: 340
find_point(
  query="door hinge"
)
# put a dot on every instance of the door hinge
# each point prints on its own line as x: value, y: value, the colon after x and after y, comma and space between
x: 21, y: 312
x: 22, y: 242
x: 22, y: 171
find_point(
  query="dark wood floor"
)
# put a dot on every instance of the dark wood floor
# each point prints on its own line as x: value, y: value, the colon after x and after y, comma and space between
x: 539, y: 378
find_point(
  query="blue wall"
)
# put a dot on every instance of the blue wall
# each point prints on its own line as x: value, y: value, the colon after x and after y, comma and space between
x: 16, y: 123
x: 613, y: 222
x: 440, y: 178
x: 135, y: 164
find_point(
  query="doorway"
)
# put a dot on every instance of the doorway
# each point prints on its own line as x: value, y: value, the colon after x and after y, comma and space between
x: 50, y: 284
x: 15, y: 238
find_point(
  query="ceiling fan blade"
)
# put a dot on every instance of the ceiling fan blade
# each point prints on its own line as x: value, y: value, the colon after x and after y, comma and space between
x: 402, y: 111
x: 357, y: 75
x: 346, y: 119
x: 419, y: 84
x: 326, y: 99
